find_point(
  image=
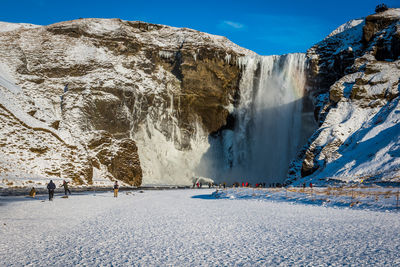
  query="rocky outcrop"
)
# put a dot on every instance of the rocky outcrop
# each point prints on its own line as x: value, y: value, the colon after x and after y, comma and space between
x: 354, y: 77
x: 154, y: 91
x: 119, y: 156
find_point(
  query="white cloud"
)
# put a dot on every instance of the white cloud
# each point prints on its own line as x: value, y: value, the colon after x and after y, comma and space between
x: 233, y: 25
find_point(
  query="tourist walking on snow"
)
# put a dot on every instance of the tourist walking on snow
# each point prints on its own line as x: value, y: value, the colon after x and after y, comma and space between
x: 116, y: 187
x: 51, y: 187
x: 66, y: 189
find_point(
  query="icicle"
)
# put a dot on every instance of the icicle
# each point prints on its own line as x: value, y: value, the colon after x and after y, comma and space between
x: 166, y: 54
x: 228, y: 58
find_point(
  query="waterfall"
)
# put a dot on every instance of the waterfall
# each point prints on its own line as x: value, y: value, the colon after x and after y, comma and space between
x: 267, y: 133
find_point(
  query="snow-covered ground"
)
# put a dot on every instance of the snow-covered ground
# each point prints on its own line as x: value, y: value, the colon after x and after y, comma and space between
x: 191, y: 228
x: 365, y: 197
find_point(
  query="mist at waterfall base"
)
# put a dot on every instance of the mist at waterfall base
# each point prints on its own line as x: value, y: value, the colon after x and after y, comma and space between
x: 270, y: 123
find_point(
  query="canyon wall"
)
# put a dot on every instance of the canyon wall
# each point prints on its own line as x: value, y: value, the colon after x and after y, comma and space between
x: 135, y: 100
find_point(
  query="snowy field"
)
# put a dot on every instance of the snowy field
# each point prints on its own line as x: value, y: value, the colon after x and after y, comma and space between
x: 191, y: 228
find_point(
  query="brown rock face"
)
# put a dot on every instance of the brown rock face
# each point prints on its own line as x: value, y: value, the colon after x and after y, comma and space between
x: 125, y: 164
x: 383, y: 31
x: 376, y: 23
x: 208, y: 84
x: 120, y: 157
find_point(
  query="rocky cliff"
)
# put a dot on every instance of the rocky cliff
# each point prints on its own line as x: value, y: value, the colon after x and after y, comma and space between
x: 115, y: 100
x: 354, y: 78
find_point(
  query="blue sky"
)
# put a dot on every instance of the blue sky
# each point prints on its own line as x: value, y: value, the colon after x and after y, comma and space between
x: 266, y: 27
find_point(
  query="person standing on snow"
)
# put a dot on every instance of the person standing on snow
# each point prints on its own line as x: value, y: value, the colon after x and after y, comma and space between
x: 51, y: 187
x: 116, y: 187
x: 32, y: 193
x: 66, y: 189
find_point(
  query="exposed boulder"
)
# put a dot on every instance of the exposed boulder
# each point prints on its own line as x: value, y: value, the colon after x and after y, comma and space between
x: 120, y: 157
x: 375, y: 23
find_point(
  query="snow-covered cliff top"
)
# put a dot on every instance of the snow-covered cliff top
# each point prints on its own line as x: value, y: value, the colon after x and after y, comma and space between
x: 348, y: 25
x: 7, y: 26
x: 165, y: 37
x: 391, y: 13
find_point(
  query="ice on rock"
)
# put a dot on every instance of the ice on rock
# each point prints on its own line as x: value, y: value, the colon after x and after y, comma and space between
x: 166, y: 54
x: 228, y: 58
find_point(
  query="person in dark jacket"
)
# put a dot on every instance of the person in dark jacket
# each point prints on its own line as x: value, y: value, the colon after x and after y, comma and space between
x: 66, y: 189
x: 51, y: 187
x: 116, y: 187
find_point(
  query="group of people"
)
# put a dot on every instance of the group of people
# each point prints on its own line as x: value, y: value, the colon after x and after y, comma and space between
x: 51, y: 187
x: 243, y: 184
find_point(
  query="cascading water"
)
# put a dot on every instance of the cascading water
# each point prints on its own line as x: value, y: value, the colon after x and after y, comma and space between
x: 268, y: 128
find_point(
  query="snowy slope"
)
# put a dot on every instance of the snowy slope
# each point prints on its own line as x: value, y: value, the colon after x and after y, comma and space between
x: 350, y: 25
x: 32, y: 151
x: 6, y: 26
x: 358, y: 138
